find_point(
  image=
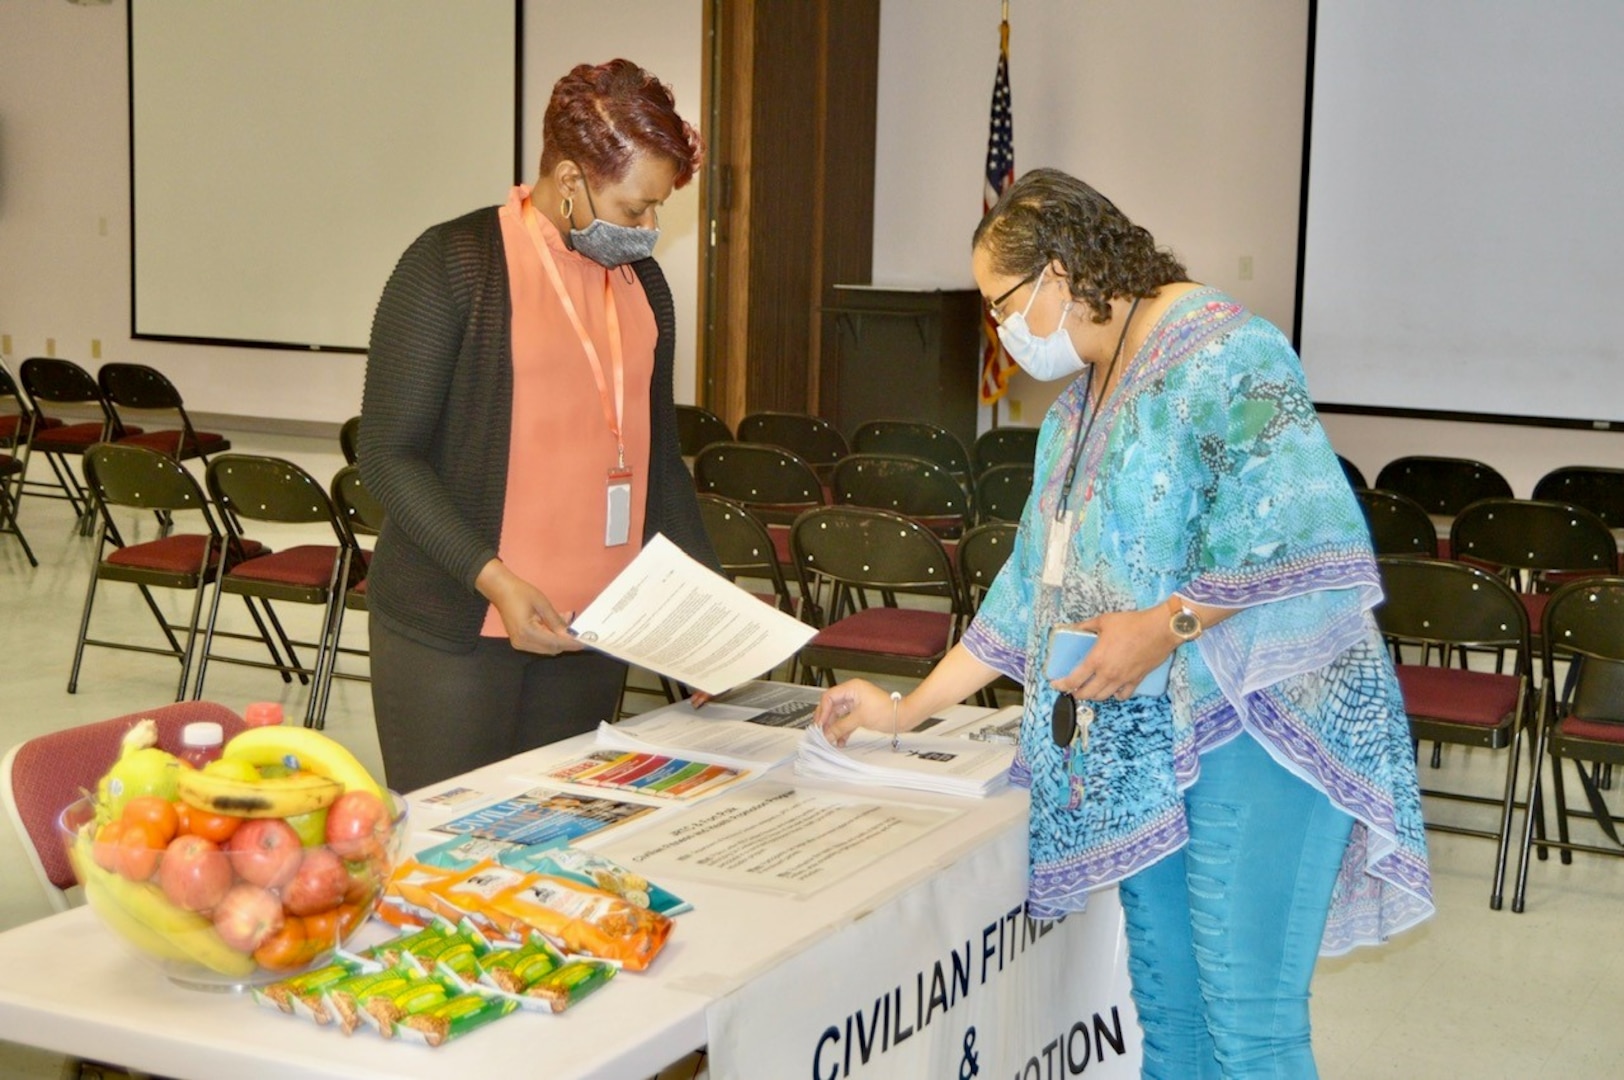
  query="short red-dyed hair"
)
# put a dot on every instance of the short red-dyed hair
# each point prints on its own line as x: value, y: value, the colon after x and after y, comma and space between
x: 602, y: 116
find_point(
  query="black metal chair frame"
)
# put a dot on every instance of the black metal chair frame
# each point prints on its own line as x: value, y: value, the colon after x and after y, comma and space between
x: 252, y: 487
x: 776, y: 484
x: 139, y: 388
x: 1528, y: 540
x: 1398, y: 524
x: 745, y: 551
x: 905, y: 484
x: 362, y: 515
x: 698, y: 428
x: 918, y: 439
x: 1002, y: 492
x: 1356, y: 478
x: 1443, y: 485
x: 349, y: 440
x: 1583, y: 631
x: 1448, y: 605
x: 62, y: 382
x: 1004, y: 446
x: 1599, y: 490
x: 811, y: 438
x: 982, y: 552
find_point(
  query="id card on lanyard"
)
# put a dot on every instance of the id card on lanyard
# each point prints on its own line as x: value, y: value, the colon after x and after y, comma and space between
x: 618, y: 483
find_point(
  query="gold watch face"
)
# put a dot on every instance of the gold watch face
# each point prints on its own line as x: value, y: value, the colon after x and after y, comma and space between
x: 1186, y: 625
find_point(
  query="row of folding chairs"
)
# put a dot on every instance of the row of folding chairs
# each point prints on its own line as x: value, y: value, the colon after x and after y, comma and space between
x: 1437, y: 614
x: 117, y: 396
x: 210, y: 546
x: 820, y: 444
x: 1444, y: 486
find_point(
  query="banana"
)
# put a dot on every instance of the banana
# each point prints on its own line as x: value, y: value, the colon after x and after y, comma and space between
x: 143, y: 915
x: 283, y: 796
x: 303, y: 748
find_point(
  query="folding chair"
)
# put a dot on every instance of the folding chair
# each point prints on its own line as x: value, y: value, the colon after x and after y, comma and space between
x: 745, y: 550
x: 775, y: 484
x: 11, y: 471
x: 1535, y: 545
x: 1398, y: 524
x: 254, y: 488
x: 982, y: 553
x: 843, y: 552
x: 140, y: 478
x: 1356, y: 479
x: 914, y: 486
x: 916, y: 438
x: 1452, y: 606
x: 1444, y: 486
x: 1597, y: 489
x: 1583, y: 721
x: 362, y: 515
x: 698, y: 428
x: 811, y: 438
x: 1004, y: 446
x: 139, y: 388
x: 1002, y: 492
x: 62, y: 382
x: 349, y: 440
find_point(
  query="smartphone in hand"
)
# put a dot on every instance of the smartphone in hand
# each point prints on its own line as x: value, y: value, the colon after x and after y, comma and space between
x: 1068, y: 647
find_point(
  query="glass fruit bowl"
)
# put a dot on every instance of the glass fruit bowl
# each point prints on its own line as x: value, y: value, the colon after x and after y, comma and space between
x: 228, y: 903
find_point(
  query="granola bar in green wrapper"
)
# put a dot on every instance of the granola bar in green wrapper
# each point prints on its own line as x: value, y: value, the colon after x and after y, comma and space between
x: 343, y: 1001
x: 390, y: 953
x: 457, y: 955
x: 383, y: 1008
x: 302, y: 993
x: 453, y: 1018
x: 566, y: 986
x: 513, y: 971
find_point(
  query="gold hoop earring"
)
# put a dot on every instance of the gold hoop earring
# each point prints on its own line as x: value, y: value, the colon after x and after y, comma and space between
x: 567, y: 208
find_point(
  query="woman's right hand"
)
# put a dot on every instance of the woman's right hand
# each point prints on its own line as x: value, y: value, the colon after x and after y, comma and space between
x: 533, y: 625
x: 851, y: 705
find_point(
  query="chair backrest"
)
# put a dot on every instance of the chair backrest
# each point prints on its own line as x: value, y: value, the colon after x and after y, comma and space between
x: 349, y: 440
x: 17, y: 417
x: 142, y: 478
x: 62, y: 382
x: 1443, y: 485
x: 811, y: 438
x: 39, y: 778
x: 1356, y: 479
x: 137, y: 386
x: 917, y: 487
x: 1004, y: 446
x: 1398, y: 524
x: 697, y: 428
x: 860, y: 547
x: 743, y: 547
x: 361, y: 513
x: 981, y: 555
x: 1597, y: 489
x: 1002, y: 491
x: 774, y: 483
x: 269, y: 489
x: 1584, y: 624
x: 1532, y: 535
x: 916, y: 438
x: 1440, y: 602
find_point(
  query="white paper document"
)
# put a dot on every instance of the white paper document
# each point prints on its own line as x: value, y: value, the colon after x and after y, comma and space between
x: 667, y: 613
x: 776, y: 837
x: 735, y: 743
x: 948, y: 766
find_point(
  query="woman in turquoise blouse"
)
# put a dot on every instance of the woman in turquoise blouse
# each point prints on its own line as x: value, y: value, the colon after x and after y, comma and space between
x: 1187, y: 507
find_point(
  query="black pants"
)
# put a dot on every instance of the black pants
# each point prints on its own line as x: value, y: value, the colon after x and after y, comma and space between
x: 440, y: 713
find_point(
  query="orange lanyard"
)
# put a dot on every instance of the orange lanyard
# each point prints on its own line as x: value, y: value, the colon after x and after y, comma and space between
x: 614, y: 410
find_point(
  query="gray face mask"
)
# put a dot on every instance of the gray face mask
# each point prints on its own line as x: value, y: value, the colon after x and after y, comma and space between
x: 612, y: 245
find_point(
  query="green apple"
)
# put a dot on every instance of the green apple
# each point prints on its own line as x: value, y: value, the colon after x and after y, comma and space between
x: 311, y: 827
x: 148, y: 771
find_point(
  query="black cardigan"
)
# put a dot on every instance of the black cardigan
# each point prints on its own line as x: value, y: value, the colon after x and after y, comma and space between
x: 435, y: 421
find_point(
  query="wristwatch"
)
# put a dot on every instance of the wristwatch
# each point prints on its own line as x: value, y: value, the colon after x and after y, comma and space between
x: 1185, y: 624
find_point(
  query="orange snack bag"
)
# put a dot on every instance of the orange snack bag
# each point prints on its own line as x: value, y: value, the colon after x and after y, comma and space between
x: 585, y: 920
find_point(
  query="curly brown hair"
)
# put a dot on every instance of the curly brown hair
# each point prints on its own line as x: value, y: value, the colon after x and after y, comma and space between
x: 602, y: 116
x: 1048, y: 215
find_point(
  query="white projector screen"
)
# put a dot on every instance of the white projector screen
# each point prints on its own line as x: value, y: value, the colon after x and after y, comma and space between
x: 283, y: 153
x: 1463, y: 221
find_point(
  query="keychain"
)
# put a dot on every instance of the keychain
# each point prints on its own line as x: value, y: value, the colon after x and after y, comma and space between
x: 1068, y: 727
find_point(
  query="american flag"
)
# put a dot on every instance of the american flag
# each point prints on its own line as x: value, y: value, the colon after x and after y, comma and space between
x: 996, y: 364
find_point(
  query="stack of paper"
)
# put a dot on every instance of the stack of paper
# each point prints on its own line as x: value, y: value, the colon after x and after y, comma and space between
x: 735, y: 743
x: 947, y: 766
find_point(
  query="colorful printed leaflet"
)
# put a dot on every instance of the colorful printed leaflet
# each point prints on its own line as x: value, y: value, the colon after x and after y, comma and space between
x: 647, y: 774
x: 543, y: 817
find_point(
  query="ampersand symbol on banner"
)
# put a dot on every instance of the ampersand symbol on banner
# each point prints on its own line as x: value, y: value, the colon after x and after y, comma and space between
x: 970, y: 1064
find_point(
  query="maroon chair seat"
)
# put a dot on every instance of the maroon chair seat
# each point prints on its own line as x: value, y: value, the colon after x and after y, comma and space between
x: 69, y: 438
x: 179, y: 443
x: 181, y: 554
x: 1458, y: 695
x: 898, y: 631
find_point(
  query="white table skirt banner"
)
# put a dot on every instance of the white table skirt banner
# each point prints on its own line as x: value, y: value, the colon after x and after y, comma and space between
x: 955, y: 982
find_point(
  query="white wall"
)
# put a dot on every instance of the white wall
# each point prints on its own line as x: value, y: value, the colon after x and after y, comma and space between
x: 64, y: 197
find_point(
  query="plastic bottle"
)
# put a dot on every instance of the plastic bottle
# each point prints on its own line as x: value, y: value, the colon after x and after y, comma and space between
x: 200, y: 742
x: 262, y: 714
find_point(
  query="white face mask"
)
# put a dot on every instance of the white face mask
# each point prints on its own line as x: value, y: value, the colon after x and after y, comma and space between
x: 1047, y: 358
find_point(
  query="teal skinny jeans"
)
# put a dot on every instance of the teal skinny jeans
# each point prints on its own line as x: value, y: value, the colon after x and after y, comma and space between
x: 1223, y: 934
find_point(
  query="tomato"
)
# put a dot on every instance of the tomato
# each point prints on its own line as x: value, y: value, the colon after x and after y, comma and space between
x: 140, y: 846
x: 285, y: 949
x: 183, y: 818
x: 349, y: 917
x: 105, y: 848
x: 154, y: 811
x: 211, y: 826
x: 322, y: 928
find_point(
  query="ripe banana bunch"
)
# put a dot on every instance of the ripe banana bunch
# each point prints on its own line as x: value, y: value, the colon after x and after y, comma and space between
x: 141, y: 913
x: 222, y: 791
x: 306, y: 749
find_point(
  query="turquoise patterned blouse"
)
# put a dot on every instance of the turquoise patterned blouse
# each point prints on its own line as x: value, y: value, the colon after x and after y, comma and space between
x: 1208, y: 474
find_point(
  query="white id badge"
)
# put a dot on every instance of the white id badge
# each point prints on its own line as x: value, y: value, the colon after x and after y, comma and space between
x: 1054, y: 548
x: 617, y: 526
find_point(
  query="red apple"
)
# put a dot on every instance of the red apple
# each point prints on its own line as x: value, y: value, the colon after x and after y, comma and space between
x: 358, y: 825
x: 265, y: 852
x: 195, y: 873
x: 319, y: 885
x: 247, y: 916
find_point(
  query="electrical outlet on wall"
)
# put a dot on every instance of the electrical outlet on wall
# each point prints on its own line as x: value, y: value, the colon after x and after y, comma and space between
x: 95, y: 348
x: 5, y: 344
x: 50, y: 346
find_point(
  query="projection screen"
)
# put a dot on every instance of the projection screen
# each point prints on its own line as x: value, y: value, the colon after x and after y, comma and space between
x: 1462, y: 220
x: 283, y: 154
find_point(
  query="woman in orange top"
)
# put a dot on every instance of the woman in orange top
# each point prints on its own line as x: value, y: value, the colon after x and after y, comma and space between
x: 519, y: 428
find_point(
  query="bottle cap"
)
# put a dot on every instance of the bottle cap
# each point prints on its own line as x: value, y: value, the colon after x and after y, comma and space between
x: 263, y: 714
x: 202, y: 733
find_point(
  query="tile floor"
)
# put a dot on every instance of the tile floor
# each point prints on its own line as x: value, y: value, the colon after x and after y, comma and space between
x: 1474, y: 993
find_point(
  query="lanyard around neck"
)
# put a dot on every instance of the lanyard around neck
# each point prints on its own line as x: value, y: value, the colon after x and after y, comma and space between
x: 614, y: 410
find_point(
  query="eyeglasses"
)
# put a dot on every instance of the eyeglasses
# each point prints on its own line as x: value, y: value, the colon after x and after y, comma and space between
x: 995, y: 308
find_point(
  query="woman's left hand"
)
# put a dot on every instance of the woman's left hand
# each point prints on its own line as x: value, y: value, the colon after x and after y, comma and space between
x: 1130, y: 645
